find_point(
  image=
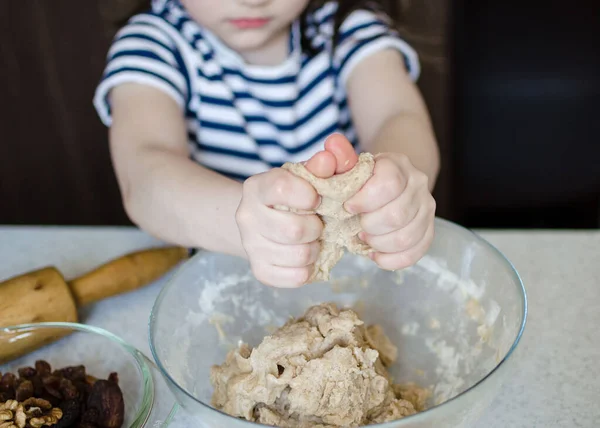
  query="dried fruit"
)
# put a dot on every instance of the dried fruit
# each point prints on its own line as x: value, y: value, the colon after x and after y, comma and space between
x: 24, y: 391
x: 26, y: 372
x: 52, y: 385
x: 8, y: 381
x: 71, y: 409
x: 91, y: 416
x: 113, y: 377
x: 68, y: 390
x: 63, y: 398
x: 74, y: 372
x: 38, y: 385
x: 106, y: 397
x: 43, y: 368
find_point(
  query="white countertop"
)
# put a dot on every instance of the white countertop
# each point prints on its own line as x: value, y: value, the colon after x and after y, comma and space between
x: 557, y: 374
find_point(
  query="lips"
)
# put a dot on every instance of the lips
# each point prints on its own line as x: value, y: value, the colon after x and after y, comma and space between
x: 247, y: 23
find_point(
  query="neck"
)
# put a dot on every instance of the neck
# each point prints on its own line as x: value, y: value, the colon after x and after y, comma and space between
x: 272, y: 53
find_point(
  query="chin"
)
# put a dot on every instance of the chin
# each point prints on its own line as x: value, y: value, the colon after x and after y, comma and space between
x: 248, y: 42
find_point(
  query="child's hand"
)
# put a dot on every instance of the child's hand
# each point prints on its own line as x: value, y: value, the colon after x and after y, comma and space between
x: 398, y: 212
x: 282, y: 246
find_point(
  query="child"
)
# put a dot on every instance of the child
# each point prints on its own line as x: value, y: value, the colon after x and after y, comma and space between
x: 205, y: 99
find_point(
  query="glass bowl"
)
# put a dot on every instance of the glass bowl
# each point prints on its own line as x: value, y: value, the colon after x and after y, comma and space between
x: 148, y: 402
x: 456, y: 317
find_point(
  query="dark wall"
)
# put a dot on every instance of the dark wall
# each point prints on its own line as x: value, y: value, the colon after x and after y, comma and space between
x: 54, y: 160
x: 527, y: 132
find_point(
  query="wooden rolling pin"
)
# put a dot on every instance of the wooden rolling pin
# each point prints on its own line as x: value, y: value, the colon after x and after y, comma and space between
x: 44, y: 295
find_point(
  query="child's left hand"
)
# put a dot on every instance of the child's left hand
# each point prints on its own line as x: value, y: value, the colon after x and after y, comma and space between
x: 397, y: 210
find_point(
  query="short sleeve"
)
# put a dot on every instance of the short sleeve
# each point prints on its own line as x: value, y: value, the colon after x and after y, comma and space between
x: 363, y: 33
x: 142, y: 52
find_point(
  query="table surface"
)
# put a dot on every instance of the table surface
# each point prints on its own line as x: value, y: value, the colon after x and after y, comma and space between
x: 557, y: 374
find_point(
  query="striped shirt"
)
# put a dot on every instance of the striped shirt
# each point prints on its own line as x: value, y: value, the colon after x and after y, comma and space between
x: 244, y: 119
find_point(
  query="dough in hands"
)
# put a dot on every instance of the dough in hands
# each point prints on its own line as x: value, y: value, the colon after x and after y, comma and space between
x: 341, y: 227
x: 325, y: 369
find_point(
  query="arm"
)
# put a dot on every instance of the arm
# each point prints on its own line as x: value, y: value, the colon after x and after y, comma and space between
x: 389, y: 114
x: 396, y: 205
x: 164, y: 192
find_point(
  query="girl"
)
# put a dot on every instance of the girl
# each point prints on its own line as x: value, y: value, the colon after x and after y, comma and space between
x: 205, y: 99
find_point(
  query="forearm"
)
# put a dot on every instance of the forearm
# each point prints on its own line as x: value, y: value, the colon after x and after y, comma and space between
x: 410, y: 134
x: 389, y: 112
x: 176, y: 200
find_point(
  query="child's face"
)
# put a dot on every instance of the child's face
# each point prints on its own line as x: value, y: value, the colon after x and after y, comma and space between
x: 247, y: 26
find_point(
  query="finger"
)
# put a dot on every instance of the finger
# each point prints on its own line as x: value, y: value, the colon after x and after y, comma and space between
x: 281, y: 277
x: 287, y: 228
x: 322, y: 164
x: 281, y: 187
x: 341, y: 148
x: 401, y: 239
x: 406, y: 258
x: 393, y: 216
x: 386, y: 184
x: 299, y: 255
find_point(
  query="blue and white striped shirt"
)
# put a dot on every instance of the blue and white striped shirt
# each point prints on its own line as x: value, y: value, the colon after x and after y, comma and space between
x: 244, y: 119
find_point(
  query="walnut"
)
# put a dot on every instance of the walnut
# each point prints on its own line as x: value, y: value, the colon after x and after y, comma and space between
x: 5, y: 415
x: 33, y: 412
x: 12, y: 415
x: 51, y: 419
x: 20, y: 416
x: 38, y: 402
x: 9, y: 405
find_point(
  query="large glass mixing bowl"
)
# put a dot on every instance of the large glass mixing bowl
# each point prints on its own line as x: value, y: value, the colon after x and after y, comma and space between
x: 456, y: 317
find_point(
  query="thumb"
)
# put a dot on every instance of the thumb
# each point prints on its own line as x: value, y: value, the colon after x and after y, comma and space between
x: 341, y: 148
x: 322, y: 164
x: 337, y: 158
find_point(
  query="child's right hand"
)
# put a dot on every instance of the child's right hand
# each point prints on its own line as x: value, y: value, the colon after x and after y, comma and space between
x: 282, y: 246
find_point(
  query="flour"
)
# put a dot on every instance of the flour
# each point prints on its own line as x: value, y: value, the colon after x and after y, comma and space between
x: 449, y: 281
x: 410, y: 329
x: 399, y: 277
x: 212, y: 293
x: 448, y: 369
x: 347, y: 284
x: 434, y: 324
x: 217, y: 320
x: 456, y: 360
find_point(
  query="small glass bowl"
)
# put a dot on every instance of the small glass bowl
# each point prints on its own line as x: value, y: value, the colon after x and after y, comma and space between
x: 147, y: 400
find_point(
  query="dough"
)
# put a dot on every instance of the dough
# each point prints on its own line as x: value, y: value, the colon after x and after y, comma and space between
x: 341, y: 227
x: 325, y: 369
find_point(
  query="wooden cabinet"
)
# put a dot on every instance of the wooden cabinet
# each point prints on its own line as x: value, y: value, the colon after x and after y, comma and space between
x: 54, y: 159
x: 426, y: 25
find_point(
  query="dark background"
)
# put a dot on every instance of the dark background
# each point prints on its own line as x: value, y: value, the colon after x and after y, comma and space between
x: 514, y: 91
